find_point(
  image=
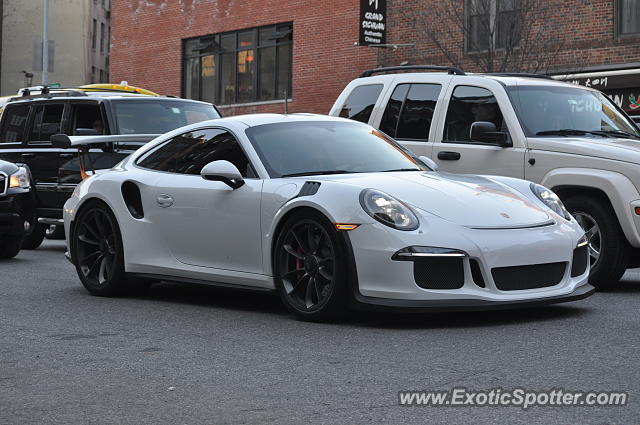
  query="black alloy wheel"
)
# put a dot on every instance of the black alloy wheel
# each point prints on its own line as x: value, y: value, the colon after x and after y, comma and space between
x: 310, y: 269
x: 97, y: 251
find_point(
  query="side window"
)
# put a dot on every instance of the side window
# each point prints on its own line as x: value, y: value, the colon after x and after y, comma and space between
x: 14, y: 124
x: 190, y: 152
x: 389, y: 122
x: 417, y: 111
x: 467, y: 105
x: 86, y: 117
x: 47, y: 122
x: 360, y: 102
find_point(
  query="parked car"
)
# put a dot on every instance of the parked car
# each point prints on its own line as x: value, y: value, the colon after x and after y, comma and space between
x: 569, y: 138
x: 329, y: 213
x: 17, y: 208
x: 28, y: 122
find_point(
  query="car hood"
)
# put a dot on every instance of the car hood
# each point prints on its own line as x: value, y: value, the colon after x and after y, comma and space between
x: 467, y: 200
x: 616, y: 149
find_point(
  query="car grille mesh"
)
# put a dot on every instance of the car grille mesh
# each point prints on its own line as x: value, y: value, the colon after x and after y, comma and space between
x: 580, y: 261
x: 439, y: 273
x: 529, y: 276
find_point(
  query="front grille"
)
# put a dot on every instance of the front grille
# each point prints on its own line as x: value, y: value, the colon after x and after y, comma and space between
x: 580, y: 261
x: 528, y: 277
x: 439, y: 273
x: 3, y: 184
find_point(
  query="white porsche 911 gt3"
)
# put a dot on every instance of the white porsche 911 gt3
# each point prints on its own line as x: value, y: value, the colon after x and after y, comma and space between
x: 328, y: 212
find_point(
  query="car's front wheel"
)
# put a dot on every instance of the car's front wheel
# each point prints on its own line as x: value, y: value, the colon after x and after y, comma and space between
x: 97, y: 253
x: 310, y: 267
x: 608, y: 247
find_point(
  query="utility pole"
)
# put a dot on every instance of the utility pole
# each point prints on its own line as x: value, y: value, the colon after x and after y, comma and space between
x: 45, y: 44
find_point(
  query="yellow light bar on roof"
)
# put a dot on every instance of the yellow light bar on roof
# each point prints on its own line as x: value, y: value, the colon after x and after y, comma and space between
x: 119, y: 87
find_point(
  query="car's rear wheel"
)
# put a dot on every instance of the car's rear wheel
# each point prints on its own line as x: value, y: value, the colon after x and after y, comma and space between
x: 10, y: 247
x: 608, y: 247
x: 310, y: 267
x: 98, y: 254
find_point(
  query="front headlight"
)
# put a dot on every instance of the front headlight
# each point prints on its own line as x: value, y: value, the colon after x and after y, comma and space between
x: 20, y: 179
x: 551, y: 200
x: 388, y: 210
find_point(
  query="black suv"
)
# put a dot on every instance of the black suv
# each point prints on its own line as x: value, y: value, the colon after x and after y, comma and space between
x: 28, y: 122
x: 17, y: 208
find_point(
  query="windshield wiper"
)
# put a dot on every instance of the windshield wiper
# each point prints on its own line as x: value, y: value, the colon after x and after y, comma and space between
x: 563, y: 132
x: 318, y: 173
x: 402, y: 169
x: 617, y: 133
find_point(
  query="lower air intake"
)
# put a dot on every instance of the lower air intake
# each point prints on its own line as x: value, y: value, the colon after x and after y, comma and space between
x: 439, y: 273
x: 528, y: 277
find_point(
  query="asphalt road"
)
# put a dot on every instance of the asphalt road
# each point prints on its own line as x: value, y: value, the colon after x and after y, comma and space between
x: 185, y: 354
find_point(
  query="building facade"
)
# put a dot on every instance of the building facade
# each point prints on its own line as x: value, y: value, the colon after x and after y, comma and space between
x: 294, y: 55
x: 78, y: 43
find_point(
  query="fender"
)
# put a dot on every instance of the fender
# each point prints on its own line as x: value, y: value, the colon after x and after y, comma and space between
x: 620, y: 191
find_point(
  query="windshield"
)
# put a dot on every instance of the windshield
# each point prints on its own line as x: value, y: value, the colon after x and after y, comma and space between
x: 328, y: 147
x: 159, y: 116
x: 548, y: 109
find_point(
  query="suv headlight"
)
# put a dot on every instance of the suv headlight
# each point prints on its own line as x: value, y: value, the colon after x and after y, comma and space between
x: 388, y: 210
x: 20, y: 179
x: 551, y: 200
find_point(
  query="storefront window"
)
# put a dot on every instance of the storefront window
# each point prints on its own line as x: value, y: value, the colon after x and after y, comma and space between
x: 239, y: 67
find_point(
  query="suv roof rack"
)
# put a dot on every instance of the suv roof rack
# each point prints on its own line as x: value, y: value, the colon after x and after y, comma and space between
x: 450, y: 69
x: 48, y: 93
x: 519, y: 74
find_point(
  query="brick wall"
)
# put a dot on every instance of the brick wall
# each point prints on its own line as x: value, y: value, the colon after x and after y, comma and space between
x: 146, y: 43
x: 582, y: 30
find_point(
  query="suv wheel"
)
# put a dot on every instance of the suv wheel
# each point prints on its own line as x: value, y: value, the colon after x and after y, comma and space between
x: 10, y: 247
x: 35, y: 238
x: 608, y: 247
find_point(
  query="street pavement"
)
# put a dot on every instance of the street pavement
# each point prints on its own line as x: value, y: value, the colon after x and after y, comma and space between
x: 189, y: 354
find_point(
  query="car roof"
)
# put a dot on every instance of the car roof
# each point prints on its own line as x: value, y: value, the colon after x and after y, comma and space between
x: 253, y: 120
x: 504, y: 79
x: 96, y: 95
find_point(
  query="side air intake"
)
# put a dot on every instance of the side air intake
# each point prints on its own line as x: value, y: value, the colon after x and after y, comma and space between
x: 132, y: 199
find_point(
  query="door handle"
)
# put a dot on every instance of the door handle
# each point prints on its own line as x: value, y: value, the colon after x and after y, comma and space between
x: 449, y: 156
x: 28, y: 155
x: 164, y: 201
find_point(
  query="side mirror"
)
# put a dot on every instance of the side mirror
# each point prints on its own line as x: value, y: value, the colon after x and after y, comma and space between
x: 60, y: 141
x: 86, y: 132
x: 223, y: 171
x: 486, y: 132
x: 430, y: 162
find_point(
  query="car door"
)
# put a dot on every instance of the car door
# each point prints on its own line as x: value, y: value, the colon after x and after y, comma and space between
x: 43, y: 159
x: 206, y: 223
x: 457, y: 153
x: 409, y: 113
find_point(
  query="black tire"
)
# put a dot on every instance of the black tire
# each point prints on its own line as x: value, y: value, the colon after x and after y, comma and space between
x: 610, y: 243
x: 55, y: 232
x: 98, y: 255
x: 10, y: 247
x: 313, y: 263
x: 34, y: 238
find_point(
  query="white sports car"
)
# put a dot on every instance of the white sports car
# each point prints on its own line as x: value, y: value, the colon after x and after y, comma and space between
x: 328, y: 212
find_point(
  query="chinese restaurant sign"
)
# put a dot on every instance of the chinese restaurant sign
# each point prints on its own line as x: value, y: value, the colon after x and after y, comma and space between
x: 373, y: 22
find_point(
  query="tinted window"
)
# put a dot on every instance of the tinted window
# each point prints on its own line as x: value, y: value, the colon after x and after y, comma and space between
x: 46, y: 122
x: 87, y: 117
x: 190, y: 152
x: 417, y: 111
x: 468, y: 105
x: 360, y: 102
x: 14, y: 123
x: 327, y: 147
x: 389, y: 122
x: 159, y: 116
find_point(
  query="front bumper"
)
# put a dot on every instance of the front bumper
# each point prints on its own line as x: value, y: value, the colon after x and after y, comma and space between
x: 383, y: 279
x: 15, y: 209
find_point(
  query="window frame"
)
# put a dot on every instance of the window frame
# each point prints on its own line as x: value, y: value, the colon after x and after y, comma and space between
x: 493, y: 20
x: 166, y: 142
x: 402, y: 107
x: 617, y: 24
x: 64, y: 118
x: 257, y: 47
